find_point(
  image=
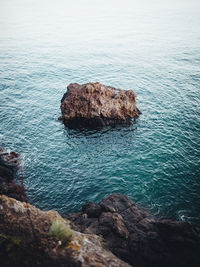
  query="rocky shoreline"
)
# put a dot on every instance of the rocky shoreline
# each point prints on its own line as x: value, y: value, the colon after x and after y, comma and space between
x: 137, y: 237
x: 11, y: 176
x: 115, y: 232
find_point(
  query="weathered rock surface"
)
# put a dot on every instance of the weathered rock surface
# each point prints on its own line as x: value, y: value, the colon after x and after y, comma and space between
x: 25, y: 240
x: 138, y: 238
x: 113, y: 233
x: 94, y: 104
x: 9, y: 166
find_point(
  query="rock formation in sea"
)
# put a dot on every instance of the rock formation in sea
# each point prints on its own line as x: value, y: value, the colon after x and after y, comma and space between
x: 97, y: 105
x: 10, y: 172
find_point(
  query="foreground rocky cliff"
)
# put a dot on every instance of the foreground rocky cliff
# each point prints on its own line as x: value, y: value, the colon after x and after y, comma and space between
x: 114, y: 233
x: 137, y: 237
x: 116, y: 225
x: 26, y: 239
x: 94, y: 104
x: 31, y: 237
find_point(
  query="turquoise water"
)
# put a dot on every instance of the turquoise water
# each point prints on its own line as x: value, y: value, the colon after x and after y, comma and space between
x: 148, y: 46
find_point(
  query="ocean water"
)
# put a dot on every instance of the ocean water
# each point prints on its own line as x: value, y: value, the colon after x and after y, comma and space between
x: 152, y: 47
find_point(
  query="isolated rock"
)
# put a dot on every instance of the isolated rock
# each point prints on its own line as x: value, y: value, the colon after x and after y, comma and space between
x: 25, y: 240
x: 138, y: 238
x: 94, y: 104
x: 10, y: 170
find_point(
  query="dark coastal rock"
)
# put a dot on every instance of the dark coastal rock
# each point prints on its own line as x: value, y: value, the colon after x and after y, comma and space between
x: 115, y: 232
x: 115, y: 225
x: 25, y: 240
x: 9, y: 166
x: 97, y: 105
x: 138, y: 238
x: 92, y: 210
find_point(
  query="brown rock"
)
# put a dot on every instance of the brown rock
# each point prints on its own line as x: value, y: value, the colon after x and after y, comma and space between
x: 94, y: 104
x: 25, y: 240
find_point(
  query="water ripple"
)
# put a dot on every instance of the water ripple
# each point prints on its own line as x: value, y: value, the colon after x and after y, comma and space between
x: 148, y: 48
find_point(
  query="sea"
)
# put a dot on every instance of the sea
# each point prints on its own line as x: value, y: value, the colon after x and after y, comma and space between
x: 151, y: 47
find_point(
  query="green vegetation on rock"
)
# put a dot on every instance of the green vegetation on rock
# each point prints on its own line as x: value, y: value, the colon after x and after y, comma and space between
x: 62, y: 231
